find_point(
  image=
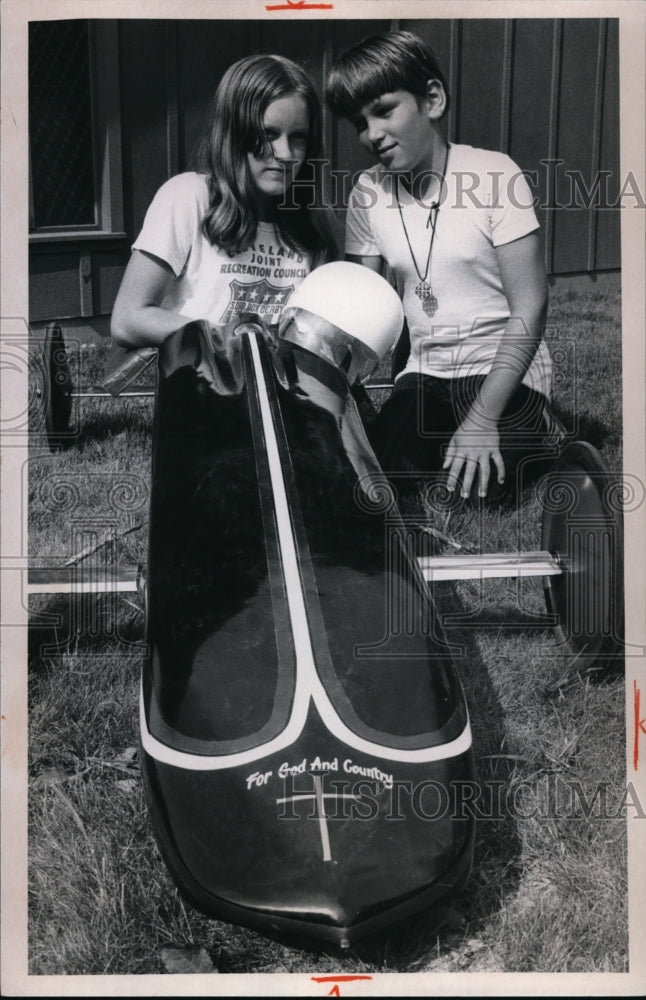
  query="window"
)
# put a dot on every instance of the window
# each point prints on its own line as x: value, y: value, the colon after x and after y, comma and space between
x: 74, y: 130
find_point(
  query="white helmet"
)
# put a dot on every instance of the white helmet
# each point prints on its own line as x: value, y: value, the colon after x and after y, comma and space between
x: 346, y: 314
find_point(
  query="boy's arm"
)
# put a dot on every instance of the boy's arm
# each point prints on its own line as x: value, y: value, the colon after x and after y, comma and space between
x: 476, y: 442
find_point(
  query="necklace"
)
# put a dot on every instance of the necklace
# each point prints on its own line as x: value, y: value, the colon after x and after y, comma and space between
x: 423, y: 289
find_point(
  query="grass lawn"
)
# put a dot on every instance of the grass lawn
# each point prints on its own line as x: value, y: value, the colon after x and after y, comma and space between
x: 549, y: 886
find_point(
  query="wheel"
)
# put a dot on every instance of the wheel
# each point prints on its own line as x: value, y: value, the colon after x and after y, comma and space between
x: 582, y: 529
x: 58, y: 388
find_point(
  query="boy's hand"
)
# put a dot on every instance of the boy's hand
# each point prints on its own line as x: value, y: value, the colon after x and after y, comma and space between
x: 472, y: 449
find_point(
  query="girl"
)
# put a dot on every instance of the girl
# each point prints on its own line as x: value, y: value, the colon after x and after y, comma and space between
x: 457, y: 229
x: 217, y: 243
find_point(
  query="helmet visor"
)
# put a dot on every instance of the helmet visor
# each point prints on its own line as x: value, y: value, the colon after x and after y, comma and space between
x: 355, y: 359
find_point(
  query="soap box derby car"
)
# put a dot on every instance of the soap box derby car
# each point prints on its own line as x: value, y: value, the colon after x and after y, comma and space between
x: 298, y: 731
x: 304, y: 732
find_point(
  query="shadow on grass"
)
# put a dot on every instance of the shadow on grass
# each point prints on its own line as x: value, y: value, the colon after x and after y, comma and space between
x: 591, y: 430
x: 90, y: 625
x: 505, y: 619
x: 497, y: 848
x: 104, y: 420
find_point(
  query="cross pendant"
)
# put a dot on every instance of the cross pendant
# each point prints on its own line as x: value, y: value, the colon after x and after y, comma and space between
x: 428, y: 300
x: 429, y: 305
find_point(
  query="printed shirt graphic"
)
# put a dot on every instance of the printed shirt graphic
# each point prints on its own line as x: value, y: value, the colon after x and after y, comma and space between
x: 212, y: 283
x: 258, y: 297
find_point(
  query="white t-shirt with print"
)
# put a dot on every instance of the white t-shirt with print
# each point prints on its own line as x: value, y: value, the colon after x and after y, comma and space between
x: 485, y: 203
x: 213, y: 284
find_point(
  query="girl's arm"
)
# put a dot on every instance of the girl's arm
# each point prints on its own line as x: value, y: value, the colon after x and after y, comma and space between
x: 476, y: 442
x: 138, y: 319
x: 375, y: 263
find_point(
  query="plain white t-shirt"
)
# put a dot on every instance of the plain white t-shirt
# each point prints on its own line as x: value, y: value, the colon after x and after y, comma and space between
x: 485, y: 202
x: 212, y: 283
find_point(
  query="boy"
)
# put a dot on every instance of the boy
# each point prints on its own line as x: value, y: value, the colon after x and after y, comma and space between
x: 457, y: 229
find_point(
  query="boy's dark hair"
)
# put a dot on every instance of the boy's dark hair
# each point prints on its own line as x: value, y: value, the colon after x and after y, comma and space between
x: 379, y: 65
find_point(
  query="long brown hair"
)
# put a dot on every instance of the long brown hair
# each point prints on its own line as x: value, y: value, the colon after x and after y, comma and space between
x: 236, y: 129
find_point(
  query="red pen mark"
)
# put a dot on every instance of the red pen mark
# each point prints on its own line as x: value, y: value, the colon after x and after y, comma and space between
x: 335, y: 991
x: 299, y: 5
x: 639, y: 724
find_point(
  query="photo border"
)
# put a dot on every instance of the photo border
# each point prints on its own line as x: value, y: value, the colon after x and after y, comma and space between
x: 15, y: 15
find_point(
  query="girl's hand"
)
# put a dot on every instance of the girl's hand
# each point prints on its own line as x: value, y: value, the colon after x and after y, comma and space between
x: 472, y: 448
